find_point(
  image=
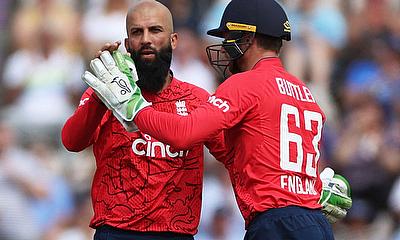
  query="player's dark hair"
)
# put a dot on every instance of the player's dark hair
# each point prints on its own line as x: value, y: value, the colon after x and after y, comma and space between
x: 269, y: 43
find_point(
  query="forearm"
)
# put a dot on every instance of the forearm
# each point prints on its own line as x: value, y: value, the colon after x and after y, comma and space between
x: 216, y: 146
x: 181, y: 132
x: 79, y: 130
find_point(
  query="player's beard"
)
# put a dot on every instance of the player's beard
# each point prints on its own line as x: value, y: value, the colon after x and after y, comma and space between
x: 152, y: 73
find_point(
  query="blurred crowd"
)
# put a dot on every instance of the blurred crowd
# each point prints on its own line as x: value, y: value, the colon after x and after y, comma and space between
x: 348, y: 52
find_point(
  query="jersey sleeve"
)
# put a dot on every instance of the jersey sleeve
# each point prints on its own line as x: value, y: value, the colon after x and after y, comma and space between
x: 216, y: 144
x: 217, y: 147
x: 235, y: 97
x: 222, y: 110
x: 80, y: 130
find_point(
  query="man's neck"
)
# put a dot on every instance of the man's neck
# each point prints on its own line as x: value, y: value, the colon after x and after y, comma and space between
x: 168, y: 80
x: 252, y: 59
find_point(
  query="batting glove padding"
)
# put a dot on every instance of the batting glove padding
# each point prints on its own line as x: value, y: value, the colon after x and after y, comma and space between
x: 114, y: 81
x: 336, y: 195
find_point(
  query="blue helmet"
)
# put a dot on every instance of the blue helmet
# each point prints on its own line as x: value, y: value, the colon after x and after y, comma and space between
x: 260, y: 16
x: 240, y: 18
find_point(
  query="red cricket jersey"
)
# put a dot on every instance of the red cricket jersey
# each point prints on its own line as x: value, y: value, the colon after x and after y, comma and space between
x: 141, y: 183
x: 272, y: 132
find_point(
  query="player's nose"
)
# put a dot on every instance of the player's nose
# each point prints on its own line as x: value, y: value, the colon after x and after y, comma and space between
x: 146, y: 38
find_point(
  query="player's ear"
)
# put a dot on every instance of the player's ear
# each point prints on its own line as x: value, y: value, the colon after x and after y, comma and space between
x: 126, y: 42
x: 174, y: 40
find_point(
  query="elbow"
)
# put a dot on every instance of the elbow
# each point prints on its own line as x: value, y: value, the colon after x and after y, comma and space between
x: 180, y: 146
x: 183, y: 139
x: 70, y: 146
x: 181, y: 143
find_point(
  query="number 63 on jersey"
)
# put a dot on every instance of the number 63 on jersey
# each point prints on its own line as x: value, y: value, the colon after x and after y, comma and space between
x: 294, y: 146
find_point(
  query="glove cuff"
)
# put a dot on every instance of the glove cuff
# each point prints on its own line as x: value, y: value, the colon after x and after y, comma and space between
x: 95, y: 97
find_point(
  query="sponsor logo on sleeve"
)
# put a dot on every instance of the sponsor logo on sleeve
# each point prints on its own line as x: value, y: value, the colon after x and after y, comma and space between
x: 223, y: 105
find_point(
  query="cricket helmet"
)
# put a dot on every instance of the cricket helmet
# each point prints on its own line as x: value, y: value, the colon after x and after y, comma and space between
x: 265, y: 17
x: 261, y: 16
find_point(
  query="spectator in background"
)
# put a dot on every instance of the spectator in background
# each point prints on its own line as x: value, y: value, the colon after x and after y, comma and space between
x: 18, y: 185
x: 319, y: 32
x: 359, y: 156
x: 183, y: 11
x: 187, y: 62
x: 40, y: 78
x: 76, y: 227
x: 378, y: 75
x: 39, y: 199
x: 60, y: 15
x: 219, y: 228
x: 220, y: 215
x: 373, y: 28
x: 391, y: 156
x: 364, y: 82
x: 55, y: 208
x: 394, y: 204
x: 187, y: 13
x: 210, y: 17
x: 5, y: 13
x: 103, y: 23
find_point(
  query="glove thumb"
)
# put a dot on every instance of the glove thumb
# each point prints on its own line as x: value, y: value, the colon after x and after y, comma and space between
x: 327, y: 173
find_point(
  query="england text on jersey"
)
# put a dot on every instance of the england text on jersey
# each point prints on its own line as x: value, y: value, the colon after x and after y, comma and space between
x: 298, y: 185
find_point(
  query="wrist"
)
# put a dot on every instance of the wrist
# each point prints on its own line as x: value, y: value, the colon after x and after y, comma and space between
x: 97, y: 99
x: 96, y: 103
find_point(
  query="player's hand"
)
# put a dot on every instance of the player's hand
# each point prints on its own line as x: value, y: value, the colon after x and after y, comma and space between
x: 336, y: 195
x: 114, y: 83
x: 111, y: 47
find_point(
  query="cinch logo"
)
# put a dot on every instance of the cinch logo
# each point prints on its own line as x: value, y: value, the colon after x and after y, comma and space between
x: 219, y: 103
x: 145, y: 147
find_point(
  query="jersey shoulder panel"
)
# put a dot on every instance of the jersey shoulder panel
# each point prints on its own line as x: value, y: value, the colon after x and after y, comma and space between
x: 241, y: 82
x: 195, y: 90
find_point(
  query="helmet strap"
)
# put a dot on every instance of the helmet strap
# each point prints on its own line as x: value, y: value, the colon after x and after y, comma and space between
x: 237, y: 47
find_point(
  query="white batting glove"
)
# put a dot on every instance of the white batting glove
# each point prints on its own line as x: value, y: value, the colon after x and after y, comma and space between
x: 335, y: 197
x: 115, y: 84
